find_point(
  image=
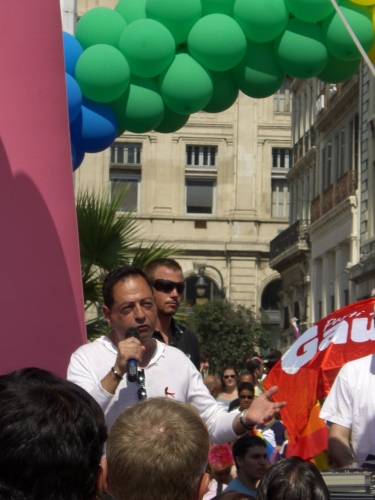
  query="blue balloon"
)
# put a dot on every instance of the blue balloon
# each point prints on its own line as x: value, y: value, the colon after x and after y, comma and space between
x: 95, y: 127
x: 72, y: 51
x: 77, y: 156
x: 74, y: 97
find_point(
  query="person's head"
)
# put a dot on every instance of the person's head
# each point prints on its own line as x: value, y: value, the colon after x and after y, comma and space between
x: 247, y: 356
x: 255, y: 366
x: 270, y: 361
x: 292, y: 479
x: 250, y: 457
x: 245, y: 395
x: 247, y: 377
x: 213, y: 384
x: 158, y: 449
x: 221, y: 461
x: 168, y: 283
x: 229, y: 377
x: 52, y: 434
x: 204, y: 361
x: 129, y: 302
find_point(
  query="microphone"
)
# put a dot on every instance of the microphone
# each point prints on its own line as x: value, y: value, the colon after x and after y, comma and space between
x: 132, y: 363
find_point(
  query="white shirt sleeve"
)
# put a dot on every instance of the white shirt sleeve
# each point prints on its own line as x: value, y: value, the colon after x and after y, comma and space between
x: 338, y: 407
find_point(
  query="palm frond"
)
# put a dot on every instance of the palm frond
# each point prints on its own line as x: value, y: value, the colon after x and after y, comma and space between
x: 144, y: 255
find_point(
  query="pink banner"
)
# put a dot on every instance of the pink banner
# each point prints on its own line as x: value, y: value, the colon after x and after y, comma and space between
x: 42, y: 319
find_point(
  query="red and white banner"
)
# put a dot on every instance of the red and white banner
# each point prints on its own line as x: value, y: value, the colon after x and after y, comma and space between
x: 307, y: 370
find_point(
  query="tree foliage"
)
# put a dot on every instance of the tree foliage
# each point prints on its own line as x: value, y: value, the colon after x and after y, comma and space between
x: 108, y: 238
x: 227, y: 331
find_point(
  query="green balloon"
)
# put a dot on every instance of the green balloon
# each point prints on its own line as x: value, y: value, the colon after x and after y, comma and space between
x: 186, y: 86
x: 148, y: 47
x: 259, y: 75
x: 217, y: 42
x: 141, y: 108
x: 171, y: 122
x: 102, y: 73
x: 179, y: 16
x: 310, y: 10
x: 338, y: 40
x: 338, y: 70
x: 225, y: 92
x: 300, y: 50
x: 131, y: 10
x: 217, y: 7
x: 261, y: 20
x: 100, y: 25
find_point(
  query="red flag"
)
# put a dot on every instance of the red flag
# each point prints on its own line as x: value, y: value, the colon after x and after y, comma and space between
x: 307, y: 370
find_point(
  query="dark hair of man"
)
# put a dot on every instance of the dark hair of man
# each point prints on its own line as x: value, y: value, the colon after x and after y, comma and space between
x: 241, y: 446
x: 204, y: 355
x: 152, y: 266
x: 292, y: 479
x: 227, y: 367
x: 233, y: 495
x: 245, y: 386
x: 120, y: 274
x: 253, y: 364
x: 52, y: 434
x: 271, y: 360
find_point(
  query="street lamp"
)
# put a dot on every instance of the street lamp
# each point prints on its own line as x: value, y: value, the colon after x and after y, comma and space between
x: 201, y: 285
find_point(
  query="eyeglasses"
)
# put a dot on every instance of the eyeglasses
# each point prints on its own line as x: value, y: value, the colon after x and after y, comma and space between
x: 229, y: 376
x: 141, y: 379
x: 166, y: 286
x: 247, y: 397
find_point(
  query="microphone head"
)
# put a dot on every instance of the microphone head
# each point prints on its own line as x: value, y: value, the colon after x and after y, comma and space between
x: 132, y: 332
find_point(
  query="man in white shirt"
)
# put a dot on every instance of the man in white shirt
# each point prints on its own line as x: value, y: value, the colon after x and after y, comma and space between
x: 350, y: 407
x: 101, y: 367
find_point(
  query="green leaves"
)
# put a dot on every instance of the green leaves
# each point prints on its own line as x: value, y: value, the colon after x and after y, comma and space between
x: 227, y: 331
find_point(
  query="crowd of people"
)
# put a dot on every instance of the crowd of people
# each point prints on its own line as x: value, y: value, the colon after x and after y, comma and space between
x: 174, y: 432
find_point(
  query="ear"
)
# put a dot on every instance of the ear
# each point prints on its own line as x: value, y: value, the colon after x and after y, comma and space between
x: 105, y: 475
x: 202, y: 487
x: 99, y: 480
x: 107, y: 314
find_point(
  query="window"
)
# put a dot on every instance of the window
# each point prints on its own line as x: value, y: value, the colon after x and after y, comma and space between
x: 280, y: 198
x: 332, y: 303
x: 342, y: 155
x: 337, y: 157
x: 200, y: 196
x: 126, y: 153
x: 346, y: 297
x: 281, y: 158
x: 201, y: 156
x: 329, y: 164
x: 353, y: 143
x: 282, y: 100
x: 324, y: 167
x: 133, y: 183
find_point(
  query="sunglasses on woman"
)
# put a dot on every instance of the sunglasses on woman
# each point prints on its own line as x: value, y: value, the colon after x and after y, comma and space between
x: 166, y: 286
x: 229, y: 376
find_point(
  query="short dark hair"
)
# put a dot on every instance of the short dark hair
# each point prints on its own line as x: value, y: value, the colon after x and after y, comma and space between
x: 52, y: 434
x: 152, y: 266
x: 204, y: 355
x: 292, y: 479
x: 271, y: 360
x: 245, y: 386
x: 240, y: 447
x: 234, y: 495
x: 253, y: 364
x: 120, y: 274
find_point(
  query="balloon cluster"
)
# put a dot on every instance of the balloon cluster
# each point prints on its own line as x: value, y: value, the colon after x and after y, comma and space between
x: 148, y: 64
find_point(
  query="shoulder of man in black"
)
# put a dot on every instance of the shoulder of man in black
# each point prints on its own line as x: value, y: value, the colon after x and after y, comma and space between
x: 234, y: 405
x: 188, y: 343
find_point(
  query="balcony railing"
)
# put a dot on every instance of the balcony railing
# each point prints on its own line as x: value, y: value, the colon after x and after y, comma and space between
x: 303, y: 145
x: 294, y: 234
x: 336, y: 193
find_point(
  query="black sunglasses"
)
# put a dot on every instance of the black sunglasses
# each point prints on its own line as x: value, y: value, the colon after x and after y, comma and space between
x: 247, y: 397
x: 141, y: 379
x: 166, y: 286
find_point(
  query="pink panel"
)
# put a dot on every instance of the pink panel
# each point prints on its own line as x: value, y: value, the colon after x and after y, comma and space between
x: 41, y: 297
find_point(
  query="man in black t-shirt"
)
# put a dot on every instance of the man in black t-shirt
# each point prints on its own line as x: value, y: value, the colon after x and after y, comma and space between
x: 168, y: 283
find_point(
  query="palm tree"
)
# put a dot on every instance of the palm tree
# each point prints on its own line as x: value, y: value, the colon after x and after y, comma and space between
x: 108, y: 238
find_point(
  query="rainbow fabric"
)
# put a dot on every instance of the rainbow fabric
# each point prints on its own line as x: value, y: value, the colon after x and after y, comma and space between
x: 272, y: 454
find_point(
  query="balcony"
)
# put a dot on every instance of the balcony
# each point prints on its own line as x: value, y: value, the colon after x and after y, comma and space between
x: 293, y: 235
x: 303, y: 145
x: 336, y: 193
